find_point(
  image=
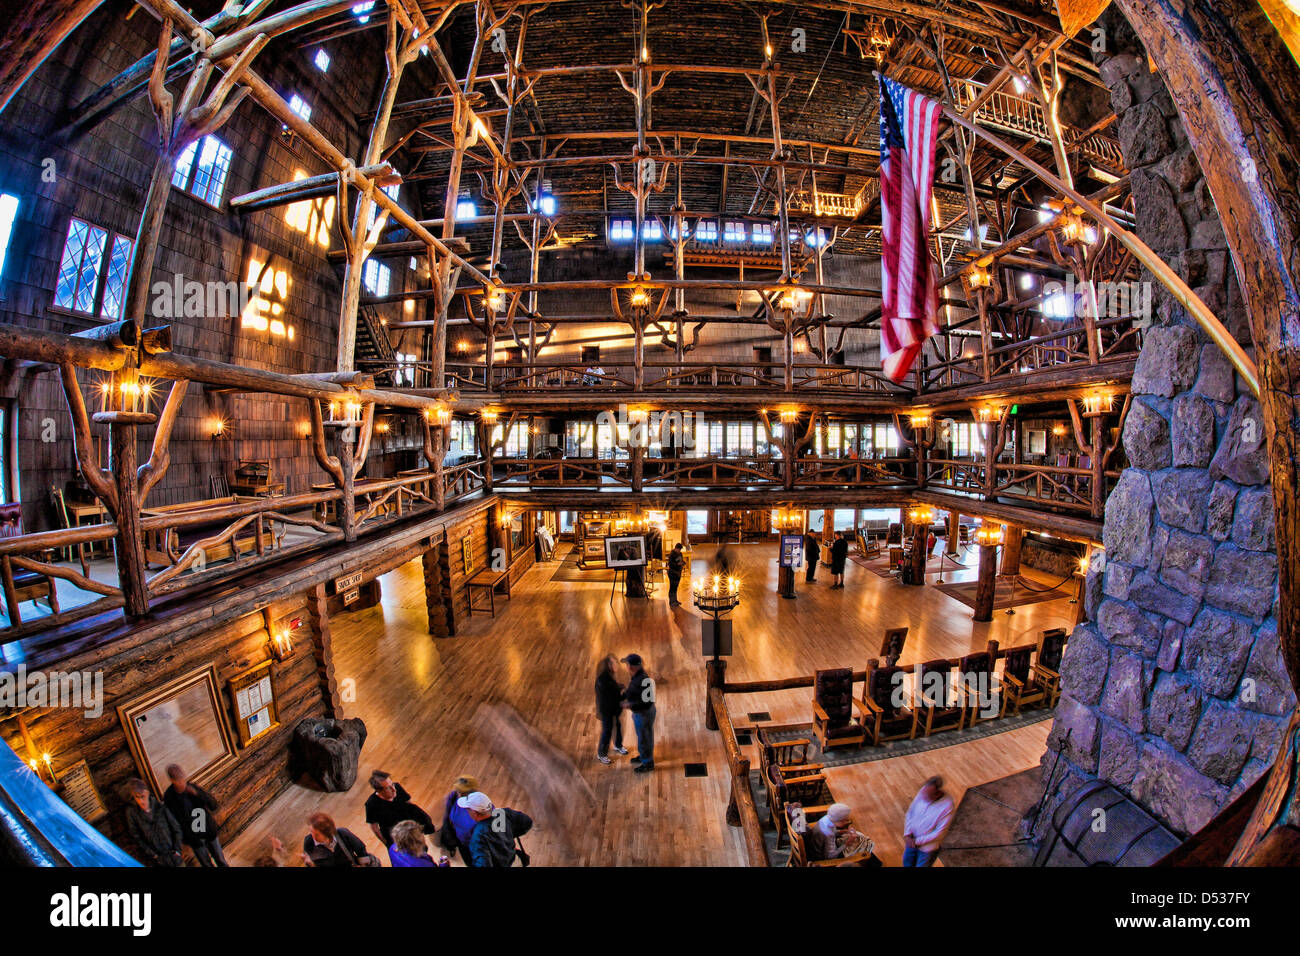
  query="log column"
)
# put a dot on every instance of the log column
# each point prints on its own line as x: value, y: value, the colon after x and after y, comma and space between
x: 124, y: 461
x: 920, y: 536
x: 323, y: 651
x: 954, y: 531
x: 1011, y: 549
x: 435, y: 595
x: 988, y: 579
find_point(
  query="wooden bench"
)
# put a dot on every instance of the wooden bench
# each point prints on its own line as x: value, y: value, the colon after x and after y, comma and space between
x: 489, y: 580
x: 166, y: 546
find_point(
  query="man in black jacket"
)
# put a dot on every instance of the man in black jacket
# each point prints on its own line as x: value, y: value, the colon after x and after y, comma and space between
x: 492, y: 841
x: 152, y: 827
x: 811, y: 554
x: 640, y: 699
x: 839, y: 555
x: 193, y: 807
x: 389, y: 805
x: 328, y: 845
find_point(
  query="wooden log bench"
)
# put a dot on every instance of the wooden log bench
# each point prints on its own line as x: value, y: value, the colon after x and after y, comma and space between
x: 166, y: 546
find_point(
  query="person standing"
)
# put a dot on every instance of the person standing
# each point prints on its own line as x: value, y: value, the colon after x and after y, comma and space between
x: 640, y: 699
x: 811, y: 553
x: 152, y: 827
x: 839, y: 555
x: 409, y: 849
x: 926, y: 823
x: 609, y: 708
x: 676, y: 565
x: 390, y: 805
x: 457, y: 824
x: 194, y: 809
x: 492, y: 842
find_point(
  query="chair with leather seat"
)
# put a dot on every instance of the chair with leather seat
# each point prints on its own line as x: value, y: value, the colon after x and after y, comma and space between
x: 833, y: 703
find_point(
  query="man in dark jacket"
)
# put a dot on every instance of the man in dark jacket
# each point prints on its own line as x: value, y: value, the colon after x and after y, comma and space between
x: 839, y: 555
x: 640, y: 699
x: 492, y: 841
x: 676, y: 565
x: 389, y: 805
x: 152, y: 827
x: 193, y: 807
x: 811, y: 554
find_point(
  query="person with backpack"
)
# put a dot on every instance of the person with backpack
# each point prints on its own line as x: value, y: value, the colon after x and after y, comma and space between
x: 494, y: 841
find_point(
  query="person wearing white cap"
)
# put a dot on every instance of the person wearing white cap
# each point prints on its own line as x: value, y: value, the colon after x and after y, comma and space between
x: 492, y: 842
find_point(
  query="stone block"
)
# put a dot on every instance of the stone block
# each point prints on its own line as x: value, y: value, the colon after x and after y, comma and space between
x: 1160, y: 223
x: 1182, y: 497
x: 1147, y: 437
x: 1243, y: 581
x: 1127, y: 683
x: 1083, y: 730
x: 1122, y: 624
x: 1193, y: 440
x: 1219, y: 514
x: 1161, y: 600
x: 1083, y: 668
x: 1266, y: 686
x: 1215, y: 650
x: 1185, y: 563
x: 1120, y: 754
x: 1126, y: 532
x: 1116, y: 581
x: 1175, y: 791
x: 1252, y: 525
x: 1221, y: 743
x: 1171, y: 644
x: 1167, y: 363
x: 1175, y: 709
x: 1242, y: 455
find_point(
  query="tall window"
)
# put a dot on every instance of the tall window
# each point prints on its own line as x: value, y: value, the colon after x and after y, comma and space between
x: 886, y: 440
x: 706, y: 230
x: 516, y: 440
x: 966, y: 439
x: 376, y: 277
x: 460, y: 436
x: 4, y: 451
x: 301, y: 107
x: 620, y: 230
x: 734, y: 231
x: 762, y: 233
x: 651, y: 231
x: 202, y: 169
x: 405, y: 368
x: 579, y: 439
x: 8, y: 216
x: 92, y: 273
x: 697, y: 522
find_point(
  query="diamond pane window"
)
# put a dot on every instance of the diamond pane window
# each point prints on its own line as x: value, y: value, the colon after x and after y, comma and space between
x: 115, y: 282
x: 322, y: 60
x: 202, y: 169
x: 83, y: 255
x: 376, y: 277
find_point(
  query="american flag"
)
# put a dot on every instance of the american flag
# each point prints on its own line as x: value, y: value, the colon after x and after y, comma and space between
x: 909, y: 125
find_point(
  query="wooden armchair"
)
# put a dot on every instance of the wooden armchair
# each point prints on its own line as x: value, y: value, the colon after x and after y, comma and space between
x: 891, y: 648
x: 895, y: 533
x: 791, y: 789
x: 799, y: 852
x: 1046, y: 669
x: 937, y: 704
x: 976, y: 684
x: 21, y: 585
x: 1016, y: 688
x: 883, y: 704
x: 896, y: 559
x: 785, y: 753
x: 833, y: 703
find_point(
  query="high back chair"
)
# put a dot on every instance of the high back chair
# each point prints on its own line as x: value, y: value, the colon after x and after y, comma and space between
x: 833, y: 701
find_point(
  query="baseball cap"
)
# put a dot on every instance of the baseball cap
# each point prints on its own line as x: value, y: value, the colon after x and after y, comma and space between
x: 632, y: 659
x: 476, y: 801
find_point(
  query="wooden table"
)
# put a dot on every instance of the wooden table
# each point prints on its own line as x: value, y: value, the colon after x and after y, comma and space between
x: 325, y: 511
x: 258, y: 489
x: 82, y: 509
x: 489, y: 580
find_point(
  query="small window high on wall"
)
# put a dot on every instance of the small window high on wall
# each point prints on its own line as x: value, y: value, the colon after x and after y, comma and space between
x: 202, y: 169
x: 8, y: 218
x: 93, y: 271
x: 376, y: 277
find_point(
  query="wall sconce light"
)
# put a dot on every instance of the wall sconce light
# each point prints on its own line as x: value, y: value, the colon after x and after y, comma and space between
x: 304, y: 429
x: 989, y: 535
x: 49, y: 768
x: 462, y: 347
x: 637, y: 415
x: 988, y: 413
x: 1058, y: 430
x: 216, y: 426
x: 440, y: 415
x: 920, y: 420
x: 1073, y: 230
x: 489, y: 416
x: 789, y: 415
x: 382, y: 427
x: 640, y: 298
x: 408, y: 306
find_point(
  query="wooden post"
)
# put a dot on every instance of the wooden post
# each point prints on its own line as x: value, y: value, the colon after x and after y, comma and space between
x: 123, y: 461
x: 434, y: 599
x: 637, y: 464
x: 954, y: 531
x: 323, y: 651
x: 1011, y: 549
x: 987, y: 583
x: 920, y: 537
x: 715, y: 675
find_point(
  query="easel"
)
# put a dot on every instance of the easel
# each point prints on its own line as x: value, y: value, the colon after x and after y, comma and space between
x: 613, y: 587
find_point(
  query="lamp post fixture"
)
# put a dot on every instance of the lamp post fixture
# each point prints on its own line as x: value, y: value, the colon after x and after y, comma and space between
x: 715, y: 596
x: 988, y: 537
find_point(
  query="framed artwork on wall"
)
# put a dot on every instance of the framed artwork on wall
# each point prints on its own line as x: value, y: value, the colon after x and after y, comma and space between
x: 1036, y: 441
x: 182, y: 723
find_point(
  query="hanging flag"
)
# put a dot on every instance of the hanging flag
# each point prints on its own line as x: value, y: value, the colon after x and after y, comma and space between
x: 909, y: 126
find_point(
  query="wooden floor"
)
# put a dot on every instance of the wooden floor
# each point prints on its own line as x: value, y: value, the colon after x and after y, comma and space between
x: 510, y: 701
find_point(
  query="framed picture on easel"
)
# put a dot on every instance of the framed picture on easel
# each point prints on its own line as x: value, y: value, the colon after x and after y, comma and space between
x: 626, y: 551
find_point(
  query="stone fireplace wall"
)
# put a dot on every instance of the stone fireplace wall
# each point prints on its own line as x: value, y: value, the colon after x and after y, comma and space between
x: 1175, y: 690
